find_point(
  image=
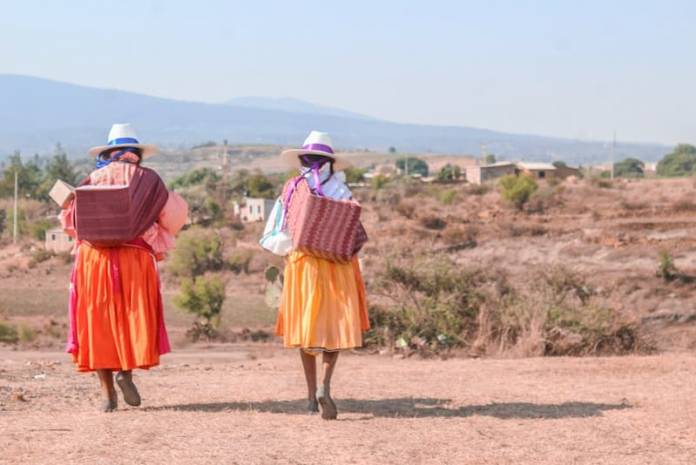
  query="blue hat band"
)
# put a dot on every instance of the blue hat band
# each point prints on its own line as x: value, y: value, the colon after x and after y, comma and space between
x: 123, y: 140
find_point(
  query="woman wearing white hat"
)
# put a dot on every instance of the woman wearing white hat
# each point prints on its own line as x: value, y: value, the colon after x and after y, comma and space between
x: 323, y: 307
x: 116, y: 320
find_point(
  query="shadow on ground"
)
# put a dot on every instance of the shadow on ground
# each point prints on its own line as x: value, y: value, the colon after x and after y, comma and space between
x: 414, y: 408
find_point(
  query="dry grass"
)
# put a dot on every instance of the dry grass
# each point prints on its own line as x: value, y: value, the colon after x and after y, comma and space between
x: 612, y: 236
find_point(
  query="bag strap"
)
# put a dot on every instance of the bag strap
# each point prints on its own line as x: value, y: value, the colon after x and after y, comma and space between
x: 314, y: 170
x: 288, y: 198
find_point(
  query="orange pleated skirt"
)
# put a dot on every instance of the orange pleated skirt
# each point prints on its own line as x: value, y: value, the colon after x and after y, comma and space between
x: 117, y: 309
x: 323, y: 307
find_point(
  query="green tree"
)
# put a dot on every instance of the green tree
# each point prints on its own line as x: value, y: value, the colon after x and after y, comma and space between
x: 29, y: 177
x: 629, y: 168
x: 560, y: 164
x: 681, y: 162
x: 392, y: 149
x: 201, y: 176
x: 415, y: 166
x: 202, y: 296
x: 378, y: 182
x: 258, y: 185
x: 355, y: 175
x: 203, y: 208
x: 449, y: 173
x: 197, y: 251
x: 489, y: 159
x: 517, y: 189
x: 58, y: 167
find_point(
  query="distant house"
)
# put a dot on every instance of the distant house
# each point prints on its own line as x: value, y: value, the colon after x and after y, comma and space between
x: 650, y: 167
x: 540, y: 170
x: 564, y: 172
x: 480, y: 174
x: 252, y: 210
x: 385, y: 169
x: 58, y: 241
x: 537, y: 170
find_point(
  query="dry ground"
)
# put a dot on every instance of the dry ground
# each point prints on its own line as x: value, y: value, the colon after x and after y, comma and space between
x: 244, y: 405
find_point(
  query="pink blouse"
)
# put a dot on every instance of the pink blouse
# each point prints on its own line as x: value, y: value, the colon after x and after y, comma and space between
x: 160, y: 236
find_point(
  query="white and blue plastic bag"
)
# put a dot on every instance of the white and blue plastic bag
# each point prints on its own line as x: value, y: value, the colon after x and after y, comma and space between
x: 275, y: 239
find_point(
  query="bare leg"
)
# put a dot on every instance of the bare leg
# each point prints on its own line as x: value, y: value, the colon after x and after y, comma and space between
x: 106, y: 379
x: 309, y: 365
x: 329, y: 360
x: 328, y: 407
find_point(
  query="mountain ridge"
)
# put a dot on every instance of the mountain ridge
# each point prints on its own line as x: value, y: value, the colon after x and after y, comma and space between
x: 36, y: 113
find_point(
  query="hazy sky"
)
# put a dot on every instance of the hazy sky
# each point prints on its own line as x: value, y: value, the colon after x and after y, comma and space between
x: 576, y: 69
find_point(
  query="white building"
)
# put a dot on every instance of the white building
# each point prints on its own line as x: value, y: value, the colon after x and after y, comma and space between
x: 478, y: 174
x: 252, y: 210
x: 58, y: 241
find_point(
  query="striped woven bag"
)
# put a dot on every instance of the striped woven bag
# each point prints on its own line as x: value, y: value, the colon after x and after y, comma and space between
x: 321, y: 226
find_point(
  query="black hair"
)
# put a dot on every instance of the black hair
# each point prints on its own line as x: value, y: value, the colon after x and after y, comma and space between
x: 107, y: 154
x: 308, y: 160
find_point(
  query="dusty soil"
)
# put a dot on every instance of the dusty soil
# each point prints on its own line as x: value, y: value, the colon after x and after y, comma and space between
x: 244, y: 404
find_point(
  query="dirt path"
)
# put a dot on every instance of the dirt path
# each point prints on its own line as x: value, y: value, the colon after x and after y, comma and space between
x: 245, y: 406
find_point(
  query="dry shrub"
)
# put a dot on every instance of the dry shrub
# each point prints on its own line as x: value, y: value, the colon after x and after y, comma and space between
x: 478, y: 189
x: 406, y: 209
x: 384, y: 213
x: 409, y: 187
x: 8, y: 334
x: 40, y: 256
x: 447, y: 197
x: 520, y: 229
x: 433, y: 222
x: 240, y: 261
x: 65, y: 257
x: 26, y: 334
x: 435, y: 305
x: 602, y: 183
x: 460, y: 235
x: 685, y: 205
x: 547, y: 197
x: 430, y: 307
x: 634, y: 205
x: 388, y: 197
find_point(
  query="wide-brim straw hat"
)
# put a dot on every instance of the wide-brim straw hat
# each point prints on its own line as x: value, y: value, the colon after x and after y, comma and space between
x: 123, y: 135
x: 317, y: 143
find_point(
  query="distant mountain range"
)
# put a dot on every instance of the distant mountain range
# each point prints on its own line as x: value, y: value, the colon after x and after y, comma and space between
x: 37, y: 113
x: 293, y: 105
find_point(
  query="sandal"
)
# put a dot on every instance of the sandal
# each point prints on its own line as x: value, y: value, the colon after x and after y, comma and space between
x: 313, y: 407
x: 124, y: 379
x: 328, y: 407
x: 109, y: 405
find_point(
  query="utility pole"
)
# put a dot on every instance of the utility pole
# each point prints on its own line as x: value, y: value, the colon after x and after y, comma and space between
x: 14, y: 216
x: 613, y: 147
x: 225, y: 171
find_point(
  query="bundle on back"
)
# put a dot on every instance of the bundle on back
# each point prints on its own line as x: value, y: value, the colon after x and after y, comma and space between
x: 62, y: 193
x: 322, y: 226
x: 111, y: 215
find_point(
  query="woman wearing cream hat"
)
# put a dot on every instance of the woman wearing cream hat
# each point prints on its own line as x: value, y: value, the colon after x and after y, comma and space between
x: 116, y: 319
